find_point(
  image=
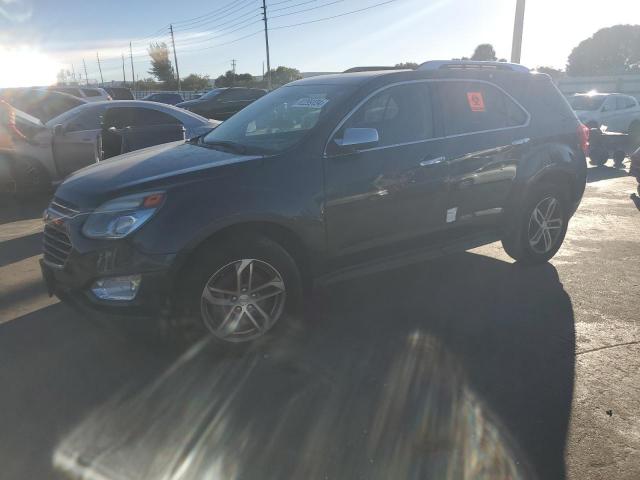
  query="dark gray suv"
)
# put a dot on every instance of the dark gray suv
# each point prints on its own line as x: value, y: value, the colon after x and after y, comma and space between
x: 324, y: 177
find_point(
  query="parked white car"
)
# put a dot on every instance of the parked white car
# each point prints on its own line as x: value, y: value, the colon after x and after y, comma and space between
x: 618, y: 112
x: 90, y: 94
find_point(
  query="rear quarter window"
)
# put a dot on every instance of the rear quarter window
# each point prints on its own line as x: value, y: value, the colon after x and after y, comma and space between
x: 469, y: 107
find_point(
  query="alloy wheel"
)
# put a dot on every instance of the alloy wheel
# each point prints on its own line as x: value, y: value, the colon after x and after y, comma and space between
x: 243, y: 300
x: 545, y: 225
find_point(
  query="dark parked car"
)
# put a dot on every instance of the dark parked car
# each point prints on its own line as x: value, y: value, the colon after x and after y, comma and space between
x: 168, y: 98
x: 221, y: 103
x: 322, y: 177
x: 40, y: 103
x: 119, y: 93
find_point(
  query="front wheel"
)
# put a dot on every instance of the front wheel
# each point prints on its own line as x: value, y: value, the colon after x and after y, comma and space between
x: 240, y: 290
x: 539, y: 229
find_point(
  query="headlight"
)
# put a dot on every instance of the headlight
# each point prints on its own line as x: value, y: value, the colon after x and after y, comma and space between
x: 122, y: 216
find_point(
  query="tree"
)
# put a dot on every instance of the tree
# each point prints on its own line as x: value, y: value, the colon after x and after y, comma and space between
x: 407, y: 65
x: 611, y: 51
x: 230, y: 79
x: 554, y: 73
x: 195, y: 82
x: 282, y: 75
x: 484, y: 51
x: 161, y: 67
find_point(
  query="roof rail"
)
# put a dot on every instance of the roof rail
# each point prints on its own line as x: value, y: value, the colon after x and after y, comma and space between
x: 472, y: 64
x: 370, y: 69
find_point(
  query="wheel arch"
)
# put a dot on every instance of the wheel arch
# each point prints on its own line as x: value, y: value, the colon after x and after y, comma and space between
x: 281, y: 234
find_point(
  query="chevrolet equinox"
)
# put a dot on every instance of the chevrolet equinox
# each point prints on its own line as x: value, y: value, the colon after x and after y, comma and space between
x: 324, y: 176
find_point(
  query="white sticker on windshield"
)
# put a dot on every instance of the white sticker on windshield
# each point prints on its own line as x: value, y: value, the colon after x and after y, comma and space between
x: 311, y: 102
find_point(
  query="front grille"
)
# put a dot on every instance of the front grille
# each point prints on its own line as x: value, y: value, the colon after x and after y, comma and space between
x: 56, y: 246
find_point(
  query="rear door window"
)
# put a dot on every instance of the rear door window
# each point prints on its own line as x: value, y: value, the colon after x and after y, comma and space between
x: 238, y: 95
x: 469, y: 107
x: 400, y: 114
x: 90, y: 92
x: 623, y: 103
x: 144, y: 117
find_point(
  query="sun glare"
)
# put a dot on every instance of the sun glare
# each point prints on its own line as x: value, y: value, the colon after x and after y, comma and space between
x: 26, y: 67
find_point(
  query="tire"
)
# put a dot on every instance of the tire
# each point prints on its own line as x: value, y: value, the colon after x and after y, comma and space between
x: 598, y: 156
x: 618, y: 157
x: 519, y: 238
x: 270, y: 294
x: 30, y: 176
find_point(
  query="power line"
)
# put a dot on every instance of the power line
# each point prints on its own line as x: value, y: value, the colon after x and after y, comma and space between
x: 197, y: 41
x: 307, y: 9
x: 334, y: 16
x: 216, y: 25
x: 208, y: 14
x: 219, y: 15
x: 292, y: 6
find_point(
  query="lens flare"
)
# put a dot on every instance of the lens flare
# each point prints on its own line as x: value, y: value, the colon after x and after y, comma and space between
x: 26, y: 67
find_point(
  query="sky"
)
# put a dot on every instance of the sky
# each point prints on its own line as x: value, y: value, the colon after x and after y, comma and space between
x: 40, y: 37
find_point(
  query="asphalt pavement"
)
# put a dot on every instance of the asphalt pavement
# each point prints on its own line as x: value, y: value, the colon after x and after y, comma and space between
x: 464, y: 367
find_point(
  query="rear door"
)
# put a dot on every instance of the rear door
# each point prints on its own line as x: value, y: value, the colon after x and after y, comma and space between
x: 77, y: 145
x: 486, y: 137
x: 396, y: 190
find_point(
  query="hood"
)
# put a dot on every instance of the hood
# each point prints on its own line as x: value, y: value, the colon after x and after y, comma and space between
x: 146, y: 168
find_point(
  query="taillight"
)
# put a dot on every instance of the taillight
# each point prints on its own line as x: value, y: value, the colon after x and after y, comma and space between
x: 583, y: 138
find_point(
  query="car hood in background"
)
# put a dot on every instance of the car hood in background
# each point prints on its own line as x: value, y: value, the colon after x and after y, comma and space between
x: 91, y: 186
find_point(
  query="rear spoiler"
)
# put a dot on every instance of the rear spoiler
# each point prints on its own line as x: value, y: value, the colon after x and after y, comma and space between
x: 472, y: 64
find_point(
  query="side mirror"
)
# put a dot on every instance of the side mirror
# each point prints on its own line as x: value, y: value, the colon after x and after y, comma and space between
x: 59, y: 130
x: 358, y: 138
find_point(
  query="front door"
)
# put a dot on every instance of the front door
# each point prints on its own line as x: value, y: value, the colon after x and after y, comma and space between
x: 76, y: 144
x: 392, y: 191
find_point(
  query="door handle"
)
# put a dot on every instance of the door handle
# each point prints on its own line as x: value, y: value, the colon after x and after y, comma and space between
x: 521, y: 141
x: 432, y: 161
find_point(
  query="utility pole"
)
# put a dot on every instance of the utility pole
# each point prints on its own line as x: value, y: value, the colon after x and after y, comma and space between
x: 100, y: 68
x: 124, y: 76
x: 86, y: 76
x: 516, y: 48
x: 175, y: 56
x: 233, y: 69
x: 266, y: 41
x: 133, y: 74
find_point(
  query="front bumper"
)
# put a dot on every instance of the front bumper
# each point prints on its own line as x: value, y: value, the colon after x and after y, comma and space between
x: 72, y: 282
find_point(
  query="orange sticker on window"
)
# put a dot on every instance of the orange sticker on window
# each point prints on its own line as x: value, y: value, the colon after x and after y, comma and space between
x: 476, y: 102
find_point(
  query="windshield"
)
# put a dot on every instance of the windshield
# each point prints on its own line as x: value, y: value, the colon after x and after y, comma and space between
x: 587, y: 102
x: 279, y: 120
x: 213, y: 93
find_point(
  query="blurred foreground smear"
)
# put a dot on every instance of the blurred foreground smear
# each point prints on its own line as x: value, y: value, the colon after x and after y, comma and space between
x: 281, y: 410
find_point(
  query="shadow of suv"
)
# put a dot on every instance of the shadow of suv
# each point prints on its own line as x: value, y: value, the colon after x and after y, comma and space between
x: 322, y: 179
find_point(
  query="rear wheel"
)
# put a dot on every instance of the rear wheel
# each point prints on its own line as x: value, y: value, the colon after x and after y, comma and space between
x: 539, y: 229
x: 598, y: 156
x: 239, y: 291
x: 618, y: 158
